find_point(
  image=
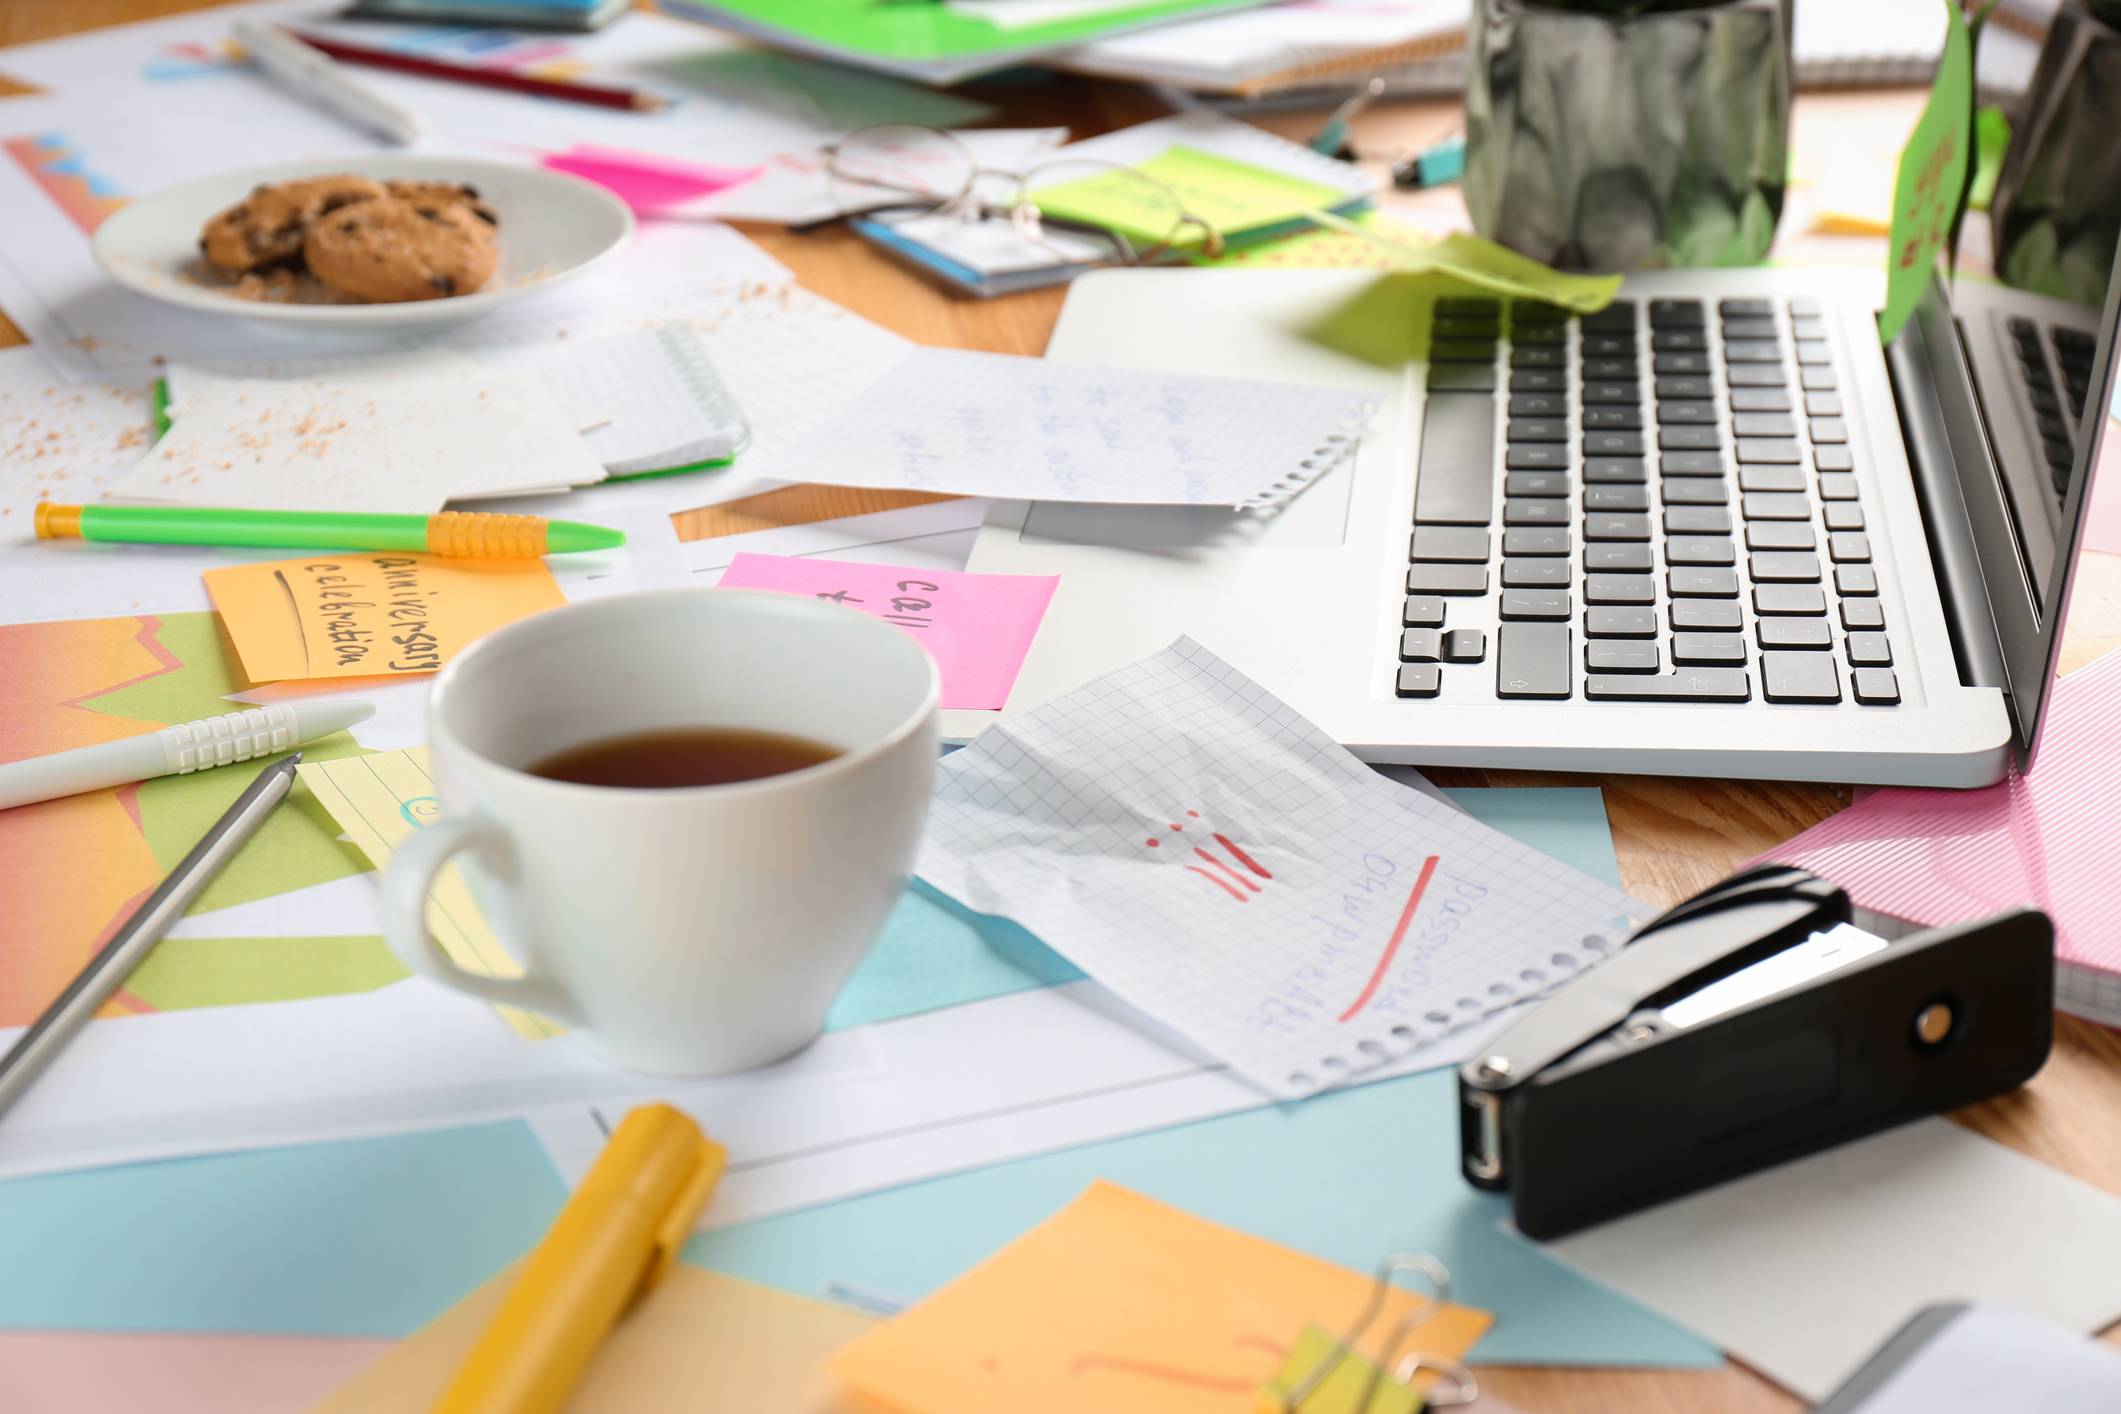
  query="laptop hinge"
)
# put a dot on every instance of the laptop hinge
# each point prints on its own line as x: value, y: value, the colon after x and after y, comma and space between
x: 1917, y: 363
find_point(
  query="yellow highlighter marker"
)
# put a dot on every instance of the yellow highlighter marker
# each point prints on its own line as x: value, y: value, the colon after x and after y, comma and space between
x: 611, y: 1243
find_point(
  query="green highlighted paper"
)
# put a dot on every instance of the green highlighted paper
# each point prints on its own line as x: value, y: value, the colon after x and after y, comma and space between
x: 1932, y: 177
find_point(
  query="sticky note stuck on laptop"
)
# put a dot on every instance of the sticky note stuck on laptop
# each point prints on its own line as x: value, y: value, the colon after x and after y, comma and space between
x: 368, y: 614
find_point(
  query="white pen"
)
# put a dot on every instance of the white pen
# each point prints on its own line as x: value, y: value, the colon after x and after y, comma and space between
x: 311, y: 74
x: 176, y: 750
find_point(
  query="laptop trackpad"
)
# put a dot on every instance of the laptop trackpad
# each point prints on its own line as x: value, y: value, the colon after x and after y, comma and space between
x: 1316, y: 520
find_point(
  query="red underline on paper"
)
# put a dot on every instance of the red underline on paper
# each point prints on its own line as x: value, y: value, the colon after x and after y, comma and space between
x: 1399, y: 935
x: 1234, y: 875
x: 1242, y: 858
x: 1219, y: 883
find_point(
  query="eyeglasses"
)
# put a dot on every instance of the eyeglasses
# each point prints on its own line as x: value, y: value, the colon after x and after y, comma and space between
x: 1080, y: 210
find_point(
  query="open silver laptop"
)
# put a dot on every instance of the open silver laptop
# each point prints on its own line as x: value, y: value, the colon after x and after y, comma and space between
x: 1715, y: 529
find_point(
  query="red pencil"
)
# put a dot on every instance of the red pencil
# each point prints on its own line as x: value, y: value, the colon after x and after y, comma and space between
x: 600, y: 95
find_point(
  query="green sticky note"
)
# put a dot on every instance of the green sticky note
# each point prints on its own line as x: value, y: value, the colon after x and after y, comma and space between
x: 1992, y: 137
x: 1231, y: 196
x: 1932, y: 176
x: 1353, y: 1387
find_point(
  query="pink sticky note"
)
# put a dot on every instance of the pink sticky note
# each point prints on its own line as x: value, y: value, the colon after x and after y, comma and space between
x: 978, y: 626
x: 53, y: 1372
x: 644, y: 181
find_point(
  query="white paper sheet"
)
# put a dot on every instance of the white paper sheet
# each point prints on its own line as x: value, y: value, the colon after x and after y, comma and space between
x: 61, y: 442
x: 986, y: 424
x: 1803, y: 1270
x: 1989, y: 1357
x: 397, y: 434
x: 1218, y: 862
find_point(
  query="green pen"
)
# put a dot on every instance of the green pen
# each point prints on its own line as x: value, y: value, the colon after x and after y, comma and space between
x: 467, y: 534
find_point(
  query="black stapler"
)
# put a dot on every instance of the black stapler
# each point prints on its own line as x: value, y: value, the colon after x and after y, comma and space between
x: 1761, y: 1020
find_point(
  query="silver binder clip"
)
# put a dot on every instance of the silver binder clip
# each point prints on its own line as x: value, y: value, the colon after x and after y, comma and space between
x: 1462, y: 1387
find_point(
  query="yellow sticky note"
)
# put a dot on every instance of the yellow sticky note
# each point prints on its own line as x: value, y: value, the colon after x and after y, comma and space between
x: 380, y: 800
x: 1482, y: 262
x: 364, y: 614
x: 1121, y: 1304
x: 1353, y: 1387
x: 1320, y: 248
x: 698, y: 1341
x: 1229, y: 195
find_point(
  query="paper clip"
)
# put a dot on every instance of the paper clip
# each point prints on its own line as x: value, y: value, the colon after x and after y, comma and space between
x: 1463, y: 1388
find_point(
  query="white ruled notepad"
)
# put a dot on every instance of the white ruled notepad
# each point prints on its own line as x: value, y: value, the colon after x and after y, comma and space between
x: 1196, y: 846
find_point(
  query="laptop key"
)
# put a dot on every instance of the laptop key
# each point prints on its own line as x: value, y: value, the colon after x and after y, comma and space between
x: 1618, y: 471
x: 1539, y: 405
x: 1697, y: 520
x: 1814, y: 351
x: 1856, y: 579
x: 1455, y: 484
x: 1780, y: 535
x: 1536, y: 483
x: 1608, y: 345
x: 1794, y: 633
x: 1701, y: 582
x: 1752, y: 351
x: 1686, y: 388
x: 1463, y: 543
x: 1744, y: 306
x: 1822, y: 405
x: 1422, y: 611
x: 1771, y: 478
x: 1689, y: 439
x: 1609, y: 526
x: 1419, y: 680
x: 1532, y: 660
x: 1875, y: 687
x: 1760, y: 400
x: 1784, y: 566
x: 1800, y: 677
x: 1685, y: 685
x: 1700, y: 550
x: 1714, y: 615
x: 1612, y: 444
x: 1617, y: 557
x: 1688, y: 313
x: 1812, y: 376
x: 1619, y: 589
x: 1616, y: 498
x: 1461, y: 378
x: 1421, y: 645
x: 1536, y: 429
x: 1608, y: 392
x: 1836, y: 486
x: 1755, y: 375
x: 1612, y: 655
x: 1619, y: 316
x: 1777, y: 505
x: 1538, y: 356
x: 1610, y: 367
x: 1833, y: 459
x: 1547, y: 604
x: 1694, y: 491
x: 1535, y: 512
x: 1764, y: 424
x: 1523, y: 573
x: 1680, y: 361
x: 1862, y: 614
x: 1469, y: 306
x: 1788, y: 599
x: 1616, y: 622
x: 1465, y: 645
x: 1535, y: 456
x: 1849, y: 547
x: 1539, y: 380
x: 1535, y: 540
x: 1612, y: 417
x: 1447, y: 579
x: 1829, y: 429
x: 1462, y: 351
x: 1750, y: 326
x: 1782, y: 450
x: 1870, y: 650
x: 1692, y: 464
x: 1683, y: 340
x: 1707, y: 649
x: 1676, y: 411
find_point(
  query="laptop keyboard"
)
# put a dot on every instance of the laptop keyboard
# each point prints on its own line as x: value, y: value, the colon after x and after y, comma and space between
x: 1660, y: 500
x: 2072, y: 350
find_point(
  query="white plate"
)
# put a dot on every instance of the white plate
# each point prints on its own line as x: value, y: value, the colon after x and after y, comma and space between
x: 552, y: 227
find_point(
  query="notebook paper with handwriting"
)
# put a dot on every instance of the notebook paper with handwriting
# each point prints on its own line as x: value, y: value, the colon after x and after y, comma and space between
x: 984, y: 424
x: 1220, y: 863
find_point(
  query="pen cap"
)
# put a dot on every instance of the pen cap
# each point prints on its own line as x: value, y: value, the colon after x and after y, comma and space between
x: 659, y: 1159
x: 57, y: 522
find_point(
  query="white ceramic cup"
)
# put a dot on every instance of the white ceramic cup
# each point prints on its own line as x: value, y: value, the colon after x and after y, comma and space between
x: 693, y: 930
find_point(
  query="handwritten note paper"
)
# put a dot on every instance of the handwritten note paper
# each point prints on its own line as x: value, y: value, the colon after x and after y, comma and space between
x: 984, y: 424
x: 1123, y: 1305
x: 1932, y: 178
x: 1229, y: 195
x: 977, y: 626
x: 368, y: 614
x: 1190, y: 842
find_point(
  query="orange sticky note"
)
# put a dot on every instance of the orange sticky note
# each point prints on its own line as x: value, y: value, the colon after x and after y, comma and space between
x: 369, y: 613
x: 1123, y: 1305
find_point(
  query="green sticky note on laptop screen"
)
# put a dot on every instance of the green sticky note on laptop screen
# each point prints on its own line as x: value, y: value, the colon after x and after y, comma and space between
x: 1234, y: 197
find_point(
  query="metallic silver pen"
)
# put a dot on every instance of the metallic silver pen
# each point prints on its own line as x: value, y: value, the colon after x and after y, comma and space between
x: 116, y: 959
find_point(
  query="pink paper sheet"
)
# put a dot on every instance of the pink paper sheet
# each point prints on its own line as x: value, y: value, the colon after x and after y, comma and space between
x: 2102, y: 523
x: 67, y: 1372
x: 2048, y: 838
x: 978, y: 626
x: 646, y: 182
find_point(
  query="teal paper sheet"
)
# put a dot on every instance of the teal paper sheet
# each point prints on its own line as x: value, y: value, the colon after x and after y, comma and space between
x: 376, y: 1237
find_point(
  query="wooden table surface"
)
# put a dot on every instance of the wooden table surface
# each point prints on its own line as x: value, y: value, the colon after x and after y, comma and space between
x: 1673, y: 836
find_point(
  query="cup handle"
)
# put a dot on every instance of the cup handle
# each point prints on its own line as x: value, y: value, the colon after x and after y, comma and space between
x: 406, y: 885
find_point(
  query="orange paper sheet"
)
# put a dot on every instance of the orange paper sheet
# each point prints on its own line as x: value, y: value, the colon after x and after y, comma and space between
x: 1123, y: 1305
x: 363, y: 614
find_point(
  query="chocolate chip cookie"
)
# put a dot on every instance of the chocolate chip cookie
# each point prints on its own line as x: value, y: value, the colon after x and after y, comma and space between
x: 444, y: 194
x: 389, y: 250
x: 266, y: 228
